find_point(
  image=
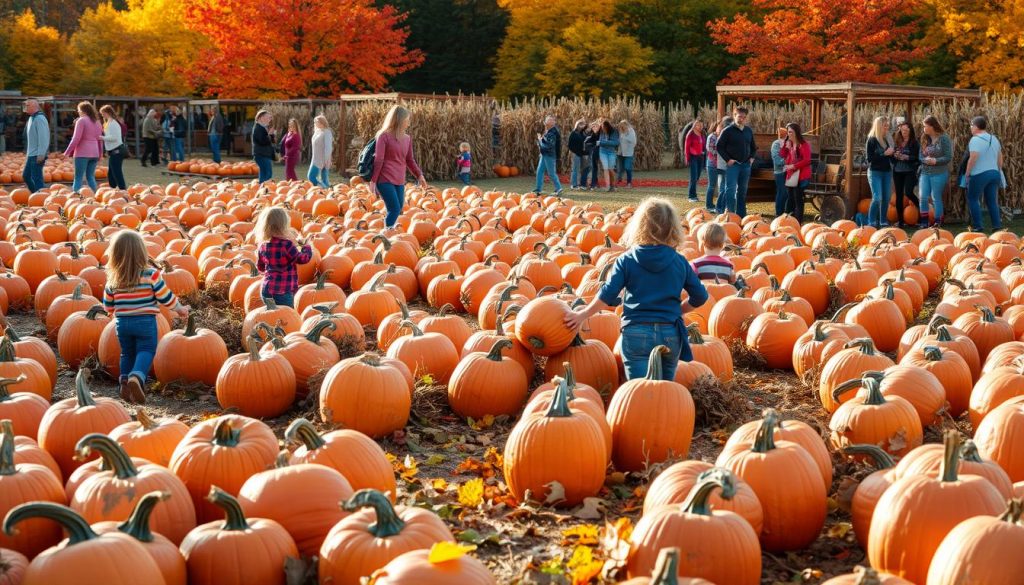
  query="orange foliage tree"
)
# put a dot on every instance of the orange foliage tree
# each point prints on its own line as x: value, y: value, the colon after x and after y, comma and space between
x: 822, y: 41
x: 296, y: 48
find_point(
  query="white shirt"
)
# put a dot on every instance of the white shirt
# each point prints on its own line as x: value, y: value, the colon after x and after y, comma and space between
x: 112, y: 135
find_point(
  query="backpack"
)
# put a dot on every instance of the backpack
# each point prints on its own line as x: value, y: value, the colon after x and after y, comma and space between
x: 365, y: 165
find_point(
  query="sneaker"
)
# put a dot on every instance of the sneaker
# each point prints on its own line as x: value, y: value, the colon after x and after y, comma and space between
x: 558, y: 193
x: 629, y: 186
x: 693, y: 200
x: 131, y: 391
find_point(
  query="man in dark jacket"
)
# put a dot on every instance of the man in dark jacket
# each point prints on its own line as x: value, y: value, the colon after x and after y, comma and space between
x: 263, y: 146
x: 580, y: 160
x: 550, y: 143
x: 179, y: 127
x: 214, y: 131
x: 736, y: 146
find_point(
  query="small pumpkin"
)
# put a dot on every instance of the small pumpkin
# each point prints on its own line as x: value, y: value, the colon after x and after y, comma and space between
x: 540, y: 326
x: 673, y: 486
x: 256, y: 384
x: 79, y: 335
x: 872, y: 418
x: 25, y: 409
x: 425, y: 354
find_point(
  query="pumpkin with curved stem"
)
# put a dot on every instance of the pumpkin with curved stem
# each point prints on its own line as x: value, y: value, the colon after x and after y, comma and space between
x: 257, y: 384
x: 787, y: 481
x: 852, y: 330
x: 576, y: 389
x: 917, y: 511
x: 701, y: 532
x: 499, y: 300
x: 225, y: 451
x: 854, y: 281
x: 272, y: 315
x: 540, y: 326
x: 64, y: 562
x: 870, y: 489
x: 21, y: 483
x: 241, y: 283
x: 70, y: 419
x: 63, y: 306
x: 916, y: 385
x: 356, y: 456
x: 949, y: 368
x: 730, y: 316
x: 35, y: 349
x: 372, y: 305
x: 303, y: 498
x: 816, y: 346
x: 487, y: 383
x: 418, y: 567
x: 872, y: 418
x: 985, y: 329
x: 374, y: 534
x: 915, y: 333
x: 927, y: 459
x: 448, y: 324
x: 883, y: 320
x: 535, y: 453
x: 651, y: 418
x: 773, y: 335
x: 166, y: 554
x: 999, y: 434
x: 154, y: 440
x: 320, y: 292
x: 79, y: 335
x: 673, y: 486
x: 390, y: 327
x: 484, y: 340
x: 867, y: 576
x: 110, y: 493
x: 27, y: 450
x: 794, y: 431
x: 425, y: 354
x: 981, y: 550
x: 712, y: 352
x: 347, y: 329
x: 220, y: 552
x: 593, y: 365
x: 367, y: 395
x: 51, y: 287
x: 24, y: 409
x: 205, y: 349
x: 951, y: 338
x: 858, y: 356
x: 307, y: 353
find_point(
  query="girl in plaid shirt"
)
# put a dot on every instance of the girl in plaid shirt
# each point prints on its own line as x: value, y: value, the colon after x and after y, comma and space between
x: 279, y: 252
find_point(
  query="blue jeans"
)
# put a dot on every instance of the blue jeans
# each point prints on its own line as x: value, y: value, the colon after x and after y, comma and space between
x: 33, y: 175
x: 589, y: 166
x: 984, y: 184
x: 580, y: 166
x: 266, y: 166
x: 881, y: 192
x: 85, y: 173
x: 394, y: 200
x: 639, y: 339
x: 168, y: 148
x: 318, y: 176
x: 138, y: 337
x: 546, y: 166
x: 932, y: 187
x: 464, y: 177
x: 714, y: 176
x: 781, y: 193
x: 283, y: 299
x: 625, y: 164
x: 734, y: 194
x: 179, y: 148
x: 696, y: 168
x: 215, y: 147
x: 115, y: 169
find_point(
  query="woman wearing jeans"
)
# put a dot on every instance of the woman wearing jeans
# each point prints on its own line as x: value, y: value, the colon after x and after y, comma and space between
x: 627, y: 148
x: 114, y: 145
x: 693, y: 153
x: 322, y: 146
x: 263, y: 146
x: 984, y: 174
x: 86, y: 146
x: 392, y: 157
x: 936, y: 152
x: 879, y: 151
x: 796, y: 152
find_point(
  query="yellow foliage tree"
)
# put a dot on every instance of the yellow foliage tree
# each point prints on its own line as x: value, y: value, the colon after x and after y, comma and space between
x: 617, y: 65
x: 35, y: 56
x: 988, y: 37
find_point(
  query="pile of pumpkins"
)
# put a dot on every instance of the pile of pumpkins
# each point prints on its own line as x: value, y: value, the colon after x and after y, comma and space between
x: 190, y: 504
x: 56, y: 169
x: 505, y: 171
x: 199, y: 166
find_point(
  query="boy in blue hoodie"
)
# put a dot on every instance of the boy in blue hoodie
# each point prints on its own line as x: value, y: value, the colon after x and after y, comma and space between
x: 653, y: 275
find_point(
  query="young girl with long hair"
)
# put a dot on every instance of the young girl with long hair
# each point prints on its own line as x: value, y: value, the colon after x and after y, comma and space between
x: 279, y: 253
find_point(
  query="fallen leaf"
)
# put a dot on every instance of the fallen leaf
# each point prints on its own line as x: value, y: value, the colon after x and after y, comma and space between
x: 480, y: 424
x: 615, y: 542
x: 591, y: 509
x: 586, y: 534
x: 839, y: 530
x: 447, y: 551
x: 556, y: 493
x: 552, y: 567
x: 439, y: 484
x: 582, y: 565
x: 435, y: 459
x: 471, y: 493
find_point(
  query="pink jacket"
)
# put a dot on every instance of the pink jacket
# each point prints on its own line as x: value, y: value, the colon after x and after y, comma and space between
x: 391, y: 158
x: 292, y: 146
x: 799, y: 156
x: 87, y: 141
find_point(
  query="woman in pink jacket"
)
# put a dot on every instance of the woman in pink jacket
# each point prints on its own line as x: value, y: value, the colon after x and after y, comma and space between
x: 392, y: 158
x: 797, y: 153
x: 86, y: 146
x: 292, y: 149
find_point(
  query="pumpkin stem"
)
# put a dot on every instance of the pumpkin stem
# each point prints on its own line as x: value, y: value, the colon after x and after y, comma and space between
x: 819, y: 331
x: 950, y: 456
x: 302, y: 431
x: 697, y: 500
x: 234, y: 518
x: 7, y: 448
x: 969, y: 452
x: 765, y: 439
x: 314, y: 334
x: 838, y: 317
x: 77, y: 529
x: 987, y: 316
x: 190, y: 325
x: 95, y: 311
x: 559, y: 407
x: 932, y: 353
x: 144, y: 420
x: 866, y: 345
x: 371, y: 359
x: 388, y: 523
x: 281, y: 461
x: 325, y: 310
x: 666, y: 568
x: 82, y: 393
x: 874, y: 391
x: 7, y: 347
x: 495, y: 353
x: 446, y: 309
x: 253, y: 271
x: 255, y: 342
x: 654, y: 370
x: 407, y: 324
x: 5, y: 394
x: 321, y: 279
x: 1014, y: 511
x: 224, y: 435
x: 694, y: 335
x: 113, y: 455
x: 137, y: 525
x: 76, y: 295
x: 881, y: 459
x: 499, y: 324
x: 270, y: 303
x: 937, y: 320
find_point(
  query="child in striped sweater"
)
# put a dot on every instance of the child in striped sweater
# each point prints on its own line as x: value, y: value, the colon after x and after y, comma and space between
x: 712, y: 264
x: 131, y: 296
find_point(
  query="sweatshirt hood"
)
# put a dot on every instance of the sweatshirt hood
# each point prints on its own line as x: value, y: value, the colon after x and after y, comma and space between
x: 654, y: 258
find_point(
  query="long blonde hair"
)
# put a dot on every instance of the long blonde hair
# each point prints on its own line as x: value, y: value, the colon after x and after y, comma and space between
x: 393, y: 121
x: 273, y: 223
x: 294, y: 122
x: 127, y: 259
x: 878, y: 134
x: 318, y: 121
x: 655, y: 222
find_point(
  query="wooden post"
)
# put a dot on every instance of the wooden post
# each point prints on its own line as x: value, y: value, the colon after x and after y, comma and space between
x: 816, y: 117
x: 721, y: 106
x: 851, y: 104
x: 138, y: 129
x: 342, y: 155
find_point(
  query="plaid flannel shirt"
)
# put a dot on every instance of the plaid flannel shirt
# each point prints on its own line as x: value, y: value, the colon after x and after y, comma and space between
x: 277, y: 260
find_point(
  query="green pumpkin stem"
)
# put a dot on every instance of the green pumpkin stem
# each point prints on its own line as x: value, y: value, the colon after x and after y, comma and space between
x: 270, y: 303
x: 1014, y: 511
x: 95, y: 311
x: 326, y: 310
x: 224, y: 435
x: 302, y: 431
x: 388, y: 523
x: 7, y: 448
x: 969, y: 452
x: 5, y: 394
x: 255, y: 343
x: 318, y: 329
x: 190, y: 325
x: 321, y: 279
x: 765, y: 439
x: 495, y: 353
x: 654, y: 370
x: 77, y: 529
x: 932, y: 353
x: 950, y: 457
x: 570, y: 380
x: 694, y: 335
x: 234, y: 518
x: 866, y: 345
x: 408, y: 324
x: 881, y: 459
x: 559, y: 407
x: 666, y: 568
x: 137, y: 525
x: 76, y: 295
x: 82, y: 390
x: 715, y: 478
x: 113, y: 454
x: 7, y: 347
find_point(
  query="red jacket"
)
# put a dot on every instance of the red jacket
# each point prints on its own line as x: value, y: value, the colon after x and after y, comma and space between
x: 694, y: 145
x: 800, y: 157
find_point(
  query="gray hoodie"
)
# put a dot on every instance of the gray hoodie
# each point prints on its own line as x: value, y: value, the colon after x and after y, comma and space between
x: 37, y: 135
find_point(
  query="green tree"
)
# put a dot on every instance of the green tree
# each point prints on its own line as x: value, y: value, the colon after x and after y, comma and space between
x: 466, y: 66
x: 35, y: 56
x: 941, y: 66
x: 617, y: 65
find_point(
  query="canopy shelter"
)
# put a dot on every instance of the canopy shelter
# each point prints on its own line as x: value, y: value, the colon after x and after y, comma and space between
x: 848, y: 95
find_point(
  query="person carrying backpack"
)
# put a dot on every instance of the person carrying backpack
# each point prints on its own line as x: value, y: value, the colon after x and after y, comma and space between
x: 391, y: 157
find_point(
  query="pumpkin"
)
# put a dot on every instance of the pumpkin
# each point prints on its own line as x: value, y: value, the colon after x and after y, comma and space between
x: 593, y: 365
x: 446, y: 290
x: 693, y: 526
x: 985, y: 329
x: 307, y: 353
x: 673, y: 486
x: 651, y: 418
x: 423, y: 567
x: 390, y: 327
x: 21, y: 483
x: 916, y: 513
x: 487, y: 383
x: 857, y: 357
x: 948, y: 337
x: 666, y: 572
x: 154, y: 440
x: 949, y: 368
x: 927, y: 459
x: 371, y: 305
x: 448, y: 324
x: 220, y: 552
x: 79, y: 335
x: 866, y: 576
x: 773, y: 335
x: 483, y: 340
x: 205, y: 349
x: 166, y: 554
x: 111, y: 493
x: 998, y: 436
x: 872, y: 418
x: 347, y: 329
x: 729, y: 317
x: 35, y: 349
x: 540, y: 326
x: 63, y: 306
x: 982, y: 549
x: 373, y: 534
x: 870, y: 489
x: 815, y: 347
x: 712, y: 352
x: 34, y: 377
x: 356, y: 456
x: 24, y: 409
x: 71, y: 419
x: 318, y: 293
x: 794, y: 431
x: 12, y: 567
x: 366, y: 395
x: 883, y: 320
x: 854, y: 281
x: 425, y: 354
x: 256, y: 384
x: 226, y: 451
x: 808, y: 283
x: 786, y: 480
x: 273, y: 316
x: 535, y: 457
x: 64, y: 562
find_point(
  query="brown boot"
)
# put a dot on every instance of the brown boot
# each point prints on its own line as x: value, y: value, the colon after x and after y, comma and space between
x: 132, y: 391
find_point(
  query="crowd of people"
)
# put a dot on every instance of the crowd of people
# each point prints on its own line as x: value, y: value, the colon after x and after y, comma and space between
x: 599, y: 144
x: 267, y: 148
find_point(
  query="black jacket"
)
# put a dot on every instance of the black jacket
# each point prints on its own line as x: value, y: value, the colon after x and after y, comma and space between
x: 590, y: 142
x: 576, y: 140
x: 262, y: 145
x: 178, y: 126
x: 736, y: 144
x: 551, y: 143
x: 877, y: 159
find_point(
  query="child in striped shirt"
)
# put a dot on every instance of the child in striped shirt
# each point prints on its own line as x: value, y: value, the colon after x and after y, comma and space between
x: 131, y: 296
x: 712, y: 264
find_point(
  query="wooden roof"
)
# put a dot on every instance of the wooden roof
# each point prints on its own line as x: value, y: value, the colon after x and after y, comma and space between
x: 396, y: 96
x: 862, y: 92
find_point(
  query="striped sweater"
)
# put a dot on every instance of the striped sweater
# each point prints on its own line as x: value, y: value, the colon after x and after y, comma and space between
x: 142, y: 299
x: 712, y: 266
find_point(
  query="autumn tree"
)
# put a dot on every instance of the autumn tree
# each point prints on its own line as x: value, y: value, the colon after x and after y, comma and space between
x: 987, y: 36
x: 618, y: 65
x: 34, y: 56
x: 293, y: 48
x: 819, y: 41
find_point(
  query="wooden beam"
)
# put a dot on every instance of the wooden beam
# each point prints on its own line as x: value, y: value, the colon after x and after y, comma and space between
x: 851, y: 105
x: 341, y: 157
x: 721, y: 105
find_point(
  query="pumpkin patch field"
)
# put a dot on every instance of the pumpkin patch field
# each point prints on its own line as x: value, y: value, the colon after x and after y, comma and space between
x: 422, y: 415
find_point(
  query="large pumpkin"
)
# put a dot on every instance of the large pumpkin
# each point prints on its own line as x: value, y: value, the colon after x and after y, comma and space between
x: 356, y: 456
x: 982, y: 549
x: 154, y: 440
x: 673, y: 486
x: 365, y: 394
x: 540, y: 326
x: 872, y: 418
x: 487, y: 383
x: 426, y: 354
x: 205, y: 350
x: 21, y: 483
x: 256, y: 384
x: 423, y: 567
x: 166, y: 554
x: 25, y: 409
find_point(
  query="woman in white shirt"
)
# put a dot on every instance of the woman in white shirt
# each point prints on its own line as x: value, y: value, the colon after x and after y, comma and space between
x: 984, y: 174
x: 113, y: 144
x: 322, y: 147
x: 627, y: 147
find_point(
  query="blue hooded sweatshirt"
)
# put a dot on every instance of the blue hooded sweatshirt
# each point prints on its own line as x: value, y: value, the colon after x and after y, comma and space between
x: 653, y: 278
